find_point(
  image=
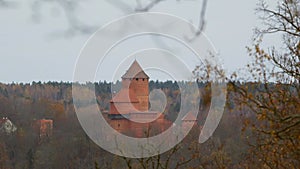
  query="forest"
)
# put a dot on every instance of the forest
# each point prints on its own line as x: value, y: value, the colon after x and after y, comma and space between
x: 70, y: 147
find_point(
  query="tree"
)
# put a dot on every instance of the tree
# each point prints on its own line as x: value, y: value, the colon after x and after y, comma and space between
x: 187, y: 154
x: 274, y: 96
x: 4, y: 159
x: 75, y: 25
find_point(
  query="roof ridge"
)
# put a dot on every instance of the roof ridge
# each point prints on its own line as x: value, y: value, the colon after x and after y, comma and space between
x: 135, y: 71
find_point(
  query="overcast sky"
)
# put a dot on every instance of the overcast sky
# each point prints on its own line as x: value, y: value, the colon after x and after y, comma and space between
x: 42, y: 51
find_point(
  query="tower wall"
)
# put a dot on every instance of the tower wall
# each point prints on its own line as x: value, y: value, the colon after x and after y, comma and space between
x: 140, y: 87
x: 120, y: 125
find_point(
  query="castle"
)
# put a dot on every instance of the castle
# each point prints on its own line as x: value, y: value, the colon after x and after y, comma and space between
x: 129, y: 108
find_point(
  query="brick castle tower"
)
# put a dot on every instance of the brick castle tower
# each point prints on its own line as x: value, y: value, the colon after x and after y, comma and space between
x: 132, y: 102
x: 134, y: 92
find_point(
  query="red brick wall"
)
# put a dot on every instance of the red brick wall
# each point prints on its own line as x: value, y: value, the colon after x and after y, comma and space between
x: 120, y: 125
x: 141, y: 89
x: 43, y: 127
x: 140, y: 130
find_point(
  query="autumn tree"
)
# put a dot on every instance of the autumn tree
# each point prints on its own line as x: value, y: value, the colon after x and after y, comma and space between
x: 274, y: 93
x: 4, y: 159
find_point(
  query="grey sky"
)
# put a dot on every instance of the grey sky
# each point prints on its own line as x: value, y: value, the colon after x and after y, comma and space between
x: 32, y: 51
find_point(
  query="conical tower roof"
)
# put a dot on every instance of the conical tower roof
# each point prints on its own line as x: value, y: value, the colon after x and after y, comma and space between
x: 135, y: 71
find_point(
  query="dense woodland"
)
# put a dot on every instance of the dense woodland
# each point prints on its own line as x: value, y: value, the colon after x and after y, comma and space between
x: 70, y: 147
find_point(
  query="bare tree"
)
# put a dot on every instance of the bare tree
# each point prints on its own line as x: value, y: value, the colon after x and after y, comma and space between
x: 76, y: 26
x: 7, y: 4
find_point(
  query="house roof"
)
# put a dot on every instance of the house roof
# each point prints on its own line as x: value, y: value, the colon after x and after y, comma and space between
x: 189, y: 117
x: 3, y: 120
x: 135, y: 71
x: 125, y: 96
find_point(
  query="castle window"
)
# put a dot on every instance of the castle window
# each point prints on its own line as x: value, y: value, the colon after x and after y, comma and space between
x: 143, y: 79
x: 136, y: 79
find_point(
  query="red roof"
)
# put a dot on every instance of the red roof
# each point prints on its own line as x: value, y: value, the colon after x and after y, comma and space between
x: 45, y: 121
x: 3, y: 120
x: 125, y: 96
x: 135, y: 71
x: 189, y: 117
